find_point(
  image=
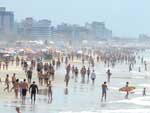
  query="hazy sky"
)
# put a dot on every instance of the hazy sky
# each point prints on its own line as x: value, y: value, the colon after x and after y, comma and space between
x: 124, y: 17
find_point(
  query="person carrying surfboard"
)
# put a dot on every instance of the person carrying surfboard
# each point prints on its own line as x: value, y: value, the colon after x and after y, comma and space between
x: 127, y: 89
x: 127, y: 92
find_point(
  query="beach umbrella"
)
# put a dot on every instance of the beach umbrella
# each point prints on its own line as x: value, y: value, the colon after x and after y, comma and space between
x: 28, y: 50
x: 6, y: 55
x: 21, y: 49
x: 80, y: 52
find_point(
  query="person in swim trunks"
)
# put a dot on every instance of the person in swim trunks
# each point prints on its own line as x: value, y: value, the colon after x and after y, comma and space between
x: 104, y: 91
x: 24, y: 87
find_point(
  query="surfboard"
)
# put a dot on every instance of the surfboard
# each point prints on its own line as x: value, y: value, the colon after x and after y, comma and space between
x: 130, y: 88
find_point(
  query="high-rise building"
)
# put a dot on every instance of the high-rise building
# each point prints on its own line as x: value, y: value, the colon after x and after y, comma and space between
x: 42, y: 29
x: 35, y: 29
x: 98, y: 30
x: 6, y: 20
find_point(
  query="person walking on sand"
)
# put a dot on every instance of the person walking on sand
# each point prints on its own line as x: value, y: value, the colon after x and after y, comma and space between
x: 13, y: 81
x: 7, y: 83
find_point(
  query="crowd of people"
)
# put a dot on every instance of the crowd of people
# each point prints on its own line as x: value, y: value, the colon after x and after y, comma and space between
x: 46, y: 71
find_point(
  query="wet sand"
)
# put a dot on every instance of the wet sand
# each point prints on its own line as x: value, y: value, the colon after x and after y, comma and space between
x: 6, y: 96
x: 86, y: 97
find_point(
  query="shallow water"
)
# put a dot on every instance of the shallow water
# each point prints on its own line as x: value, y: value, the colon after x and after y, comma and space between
x: 86, y: 97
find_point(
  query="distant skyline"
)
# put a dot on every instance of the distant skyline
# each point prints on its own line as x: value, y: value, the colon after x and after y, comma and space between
x: 126, y: 18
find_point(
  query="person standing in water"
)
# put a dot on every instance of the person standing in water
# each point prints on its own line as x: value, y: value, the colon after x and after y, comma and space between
x: 67, y: 77
x: 145, y: 65
x: 29, y: 75
x: 24, y: 87
x: 130, y: 67
x: 16, y: 88
x: 108, y: 75
x: 144, y: 91
x: 93, y: 77
x: 88, y: 74
x: 139, y: 69
x: 68, y: 68
x: 50, y: 94
x: 83, y: 73
x: 104, y: 91
x: 76, y: 71
x: 127, y: 92
x: 33, y: 89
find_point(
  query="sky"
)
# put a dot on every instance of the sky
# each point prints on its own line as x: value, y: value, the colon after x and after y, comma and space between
x: 126, y: 18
